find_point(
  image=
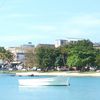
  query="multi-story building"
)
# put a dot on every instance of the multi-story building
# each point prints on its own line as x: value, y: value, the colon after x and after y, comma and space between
x: 16, y: 51
x: 60, y: 42
x: 49, y: 45
x: 19, y: 52
x: 96, y: 45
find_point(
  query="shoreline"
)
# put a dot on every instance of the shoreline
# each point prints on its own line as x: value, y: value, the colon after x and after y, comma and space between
x: 95, y: 74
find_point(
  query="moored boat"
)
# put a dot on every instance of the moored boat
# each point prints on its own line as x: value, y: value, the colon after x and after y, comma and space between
x: 52, y: 81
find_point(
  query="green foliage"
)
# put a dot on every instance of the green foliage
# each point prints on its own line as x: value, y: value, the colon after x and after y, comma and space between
x: 98, y: 59
x: 5, y: 54
x: 45, y: 57
x: 9, y: 56
x: 74, y: 60
x: 63, y: 53
x: 29, y: 58
x: 81, y: 54
x: 75, y: 54
x: 59, y: 61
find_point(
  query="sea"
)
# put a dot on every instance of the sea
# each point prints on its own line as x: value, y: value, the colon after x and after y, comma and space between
x: 81, y: 88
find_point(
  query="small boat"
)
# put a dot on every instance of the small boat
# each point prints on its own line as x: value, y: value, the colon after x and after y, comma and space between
x: 52, y: 81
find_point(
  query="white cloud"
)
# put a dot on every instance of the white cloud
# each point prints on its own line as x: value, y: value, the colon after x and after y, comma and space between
x: 44, y: 28
x: 17, y: 40
x: 22, y: 37
x: 13, y: 37
x: 14, y: 15
x: 80, y: 26
x: 84, y: 21
x: 17, y: 15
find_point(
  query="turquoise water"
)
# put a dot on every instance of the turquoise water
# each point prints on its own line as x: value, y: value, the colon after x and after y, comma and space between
x: 81, y: 88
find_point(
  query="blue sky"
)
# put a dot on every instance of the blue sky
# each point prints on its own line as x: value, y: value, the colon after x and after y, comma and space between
x: 44, y: 21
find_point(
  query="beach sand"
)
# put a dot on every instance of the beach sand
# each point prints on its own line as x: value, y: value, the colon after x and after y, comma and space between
x: 57, y: 74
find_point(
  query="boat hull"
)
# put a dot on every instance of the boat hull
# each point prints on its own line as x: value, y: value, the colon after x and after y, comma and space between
x: 55, y: 81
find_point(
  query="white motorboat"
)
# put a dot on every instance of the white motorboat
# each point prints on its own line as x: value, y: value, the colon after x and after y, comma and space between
x: 52, y: 81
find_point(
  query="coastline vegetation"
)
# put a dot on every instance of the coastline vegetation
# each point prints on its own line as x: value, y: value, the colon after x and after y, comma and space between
x: 6, y: 55
x: 80, y: 55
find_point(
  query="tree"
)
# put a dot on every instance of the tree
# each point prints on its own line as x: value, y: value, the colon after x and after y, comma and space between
x: 9, y: 56
x: 81, y: 54
x: 63, y: 52
x: 97, y: 59
x: 59, y: 61
x: 45, y: 57
x: 5, y: 55
x: 74, y: 61
x: 29, y: 58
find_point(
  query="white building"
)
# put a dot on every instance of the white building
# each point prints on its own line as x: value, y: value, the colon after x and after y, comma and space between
x: 60, y: 42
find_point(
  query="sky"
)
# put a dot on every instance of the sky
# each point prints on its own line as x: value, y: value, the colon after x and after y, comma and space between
x: 44, y: 21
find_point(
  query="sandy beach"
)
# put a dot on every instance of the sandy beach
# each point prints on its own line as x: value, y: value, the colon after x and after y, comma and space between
x: 57, y: 74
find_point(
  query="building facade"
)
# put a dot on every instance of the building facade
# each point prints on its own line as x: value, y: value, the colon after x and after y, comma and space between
x: 60, y: 42
x: 19, y: 52
x: 96, y: 45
